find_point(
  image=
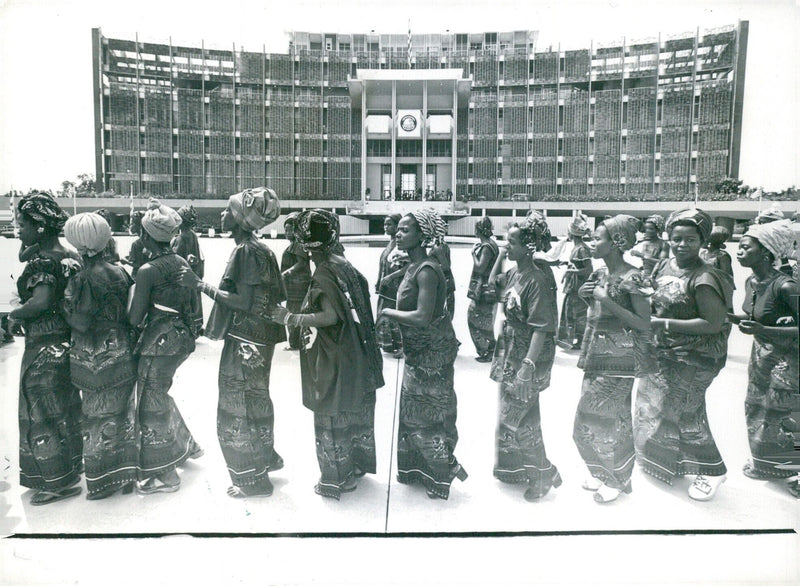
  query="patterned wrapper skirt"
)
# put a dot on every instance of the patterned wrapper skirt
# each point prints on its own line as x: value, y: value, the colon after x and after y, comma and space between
x: 772, y: 408
x: 50, y: 445
x: 480, y: 320
x: 572, y: 324
x: 345, y: 447
x: 387, y: 332
x: 427, y: 432
x: 521, y: 454
x: 603, y: 430
x: 245, y: 416
x: 672, y: 422
x: 165, y: 441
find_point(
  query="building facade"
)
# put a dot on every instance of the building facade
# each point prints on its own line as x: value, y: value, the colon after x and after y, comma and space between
x: 443, y: 118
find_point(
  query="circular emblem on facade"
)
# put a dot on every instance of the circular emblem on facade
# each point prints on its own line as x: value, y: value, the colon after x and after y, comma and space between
x: 408, y: 123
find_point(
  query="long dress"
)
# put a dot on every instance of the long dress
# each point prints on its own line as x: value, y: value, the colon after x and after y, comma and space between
x: 529, y: 304
x: 103, y: 368
x: 391, y: 273
x: 481, y: 312
x: 297, y: 281
x: 427, y: 434
x: 340, y: 372
x: 245, y: 414
x: 50, y: 446
x: 187, y: 245
x: 574, y: 308
x: 672, y: 434
x: 166, y: 341
x: 772, y: 406
x: 612, y: 355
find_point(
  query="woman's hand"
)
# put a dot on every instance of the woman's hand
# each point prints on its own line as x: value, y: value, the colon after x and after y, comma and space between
x: 657, y: 323
x: 187, y: 278
x: 587, y: 289
x: 749, y: 326
x: 733, y: 318
x: 600, y: 292
x: 522, y: 381
x: 278, y: 314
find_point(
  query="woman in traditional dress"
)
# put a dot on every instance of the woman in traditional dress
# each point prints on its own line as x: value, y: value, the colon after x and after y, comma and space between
x: 574, y: 307
x: 440, y: 252
x: 138, y: 254
x: 714, y: 253
x: 50, y: 447
x: 251, y: 286
x: 483, y: 301
x: 392, y: 265
x: 652, y: 248
x: 296, y: 271
x: 615, y: 351
x: 427, y: 434
x: 524, y: 357
x: 342, y: 367
x: 102, y: 365
x: 164, y: 311
x: 772, y: 406
x: 187, y: 246
x: 690, y: 302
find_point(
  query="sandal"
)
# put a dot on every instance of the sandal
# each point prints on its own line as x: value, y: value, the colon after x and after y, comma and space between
x: 110, y: 491
x: 197, y: 451
x: 592, y: 484
x: 608, y: 494
x: 154, y: 485
x: 45, y: 497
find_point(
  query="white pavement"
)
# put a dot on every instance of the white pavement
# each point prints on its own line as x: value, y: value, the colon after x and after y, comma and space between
x: 481, y: 504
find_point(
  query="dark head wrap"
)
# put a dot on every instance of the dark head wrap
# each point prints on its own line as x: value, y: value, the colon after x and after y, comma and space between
x: 484, y: 227
x: 719, y: 235
x: 431, y: 225
x: 395, y: 218
x: 622, y: 230
x: 696, y: 217
x: 188, y: 216
x: 43, y: 210
x: 291, y: 219
x: 318, y: 230
x: 534, y: 232
x: 657, y: 221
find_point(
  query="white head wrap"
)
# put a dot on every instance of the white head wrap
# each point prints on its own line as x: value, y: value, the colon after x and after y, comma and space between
x: 777, y: 237
x: 160, y: 222
x: 89, y: 233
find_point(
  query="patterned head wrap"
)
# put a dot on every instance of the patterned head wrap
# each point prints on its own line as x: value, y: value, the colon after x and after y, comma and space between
x: 89, y: 233
x: 773, y: 214
x: 395, y: 218
x: 697, y: 217
x: 579, y: 226
x: 534, y: 232
x: 254, y: 208
x: 291, y: 219
x: 622, y: 230
x: 431, y: 225
x: 160, y: 222
x: 318, y: 230
x: 719, y: 235
x: 43, y: 210
x: 484, y: 227
x: 188, y: 216
x: 777, y: 237
x: 657, y: 221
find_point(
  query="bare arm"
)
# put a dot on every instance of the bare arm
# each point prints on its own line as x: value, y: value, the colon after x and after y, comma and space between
x: 789, y: 292
x: 421, y: 316
x: 38, y: 303
x: 242, y: 300
x: 141, y: 295
x: 639, y: 319
x: 712, y: 312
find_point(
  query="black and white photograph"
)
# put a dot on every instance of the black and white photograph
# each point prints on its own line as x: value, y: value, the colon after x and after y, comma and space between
x: 369, y: 292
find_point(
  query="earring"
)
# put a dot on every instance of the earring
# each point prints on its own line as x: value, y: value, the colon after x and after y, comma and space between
x: 40, y: 230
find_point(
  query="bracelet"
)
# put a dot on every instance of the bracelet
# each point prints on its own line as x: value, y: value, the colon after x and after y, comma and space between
x: 287, y: 317
x: 529, y: 362
x: 666, y: 325
x: 208, y: 290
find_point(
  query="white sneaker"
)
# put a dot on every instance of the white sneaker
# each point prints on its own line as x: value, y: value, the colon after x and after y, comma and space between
x: 705, y: 487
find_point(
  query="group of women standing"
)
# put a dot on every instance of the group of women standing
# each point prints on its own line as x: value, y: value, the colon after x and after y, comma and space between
x: 99, y: 360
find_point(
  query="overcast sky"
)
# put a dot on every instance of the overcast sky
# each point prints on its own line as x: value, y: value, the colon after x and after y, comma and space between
x: 46, y: 109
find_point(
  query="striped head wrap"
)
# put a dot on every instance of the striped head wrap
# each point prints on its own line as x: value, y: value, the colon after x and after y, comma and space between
x: 622, y: 230
x: 252, y: 209
x: 432, y: 226
x: 318, y: 230
x: 534, y: 232
x: 657, y: 221
x: 43, y: 210
x: 777, y: 237
x: 697, y: 217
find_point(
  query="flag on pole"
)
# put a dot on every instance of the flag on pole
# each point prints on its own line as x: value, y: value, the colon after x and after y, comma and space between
x: 757, y: 194
x: 408, y: 51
